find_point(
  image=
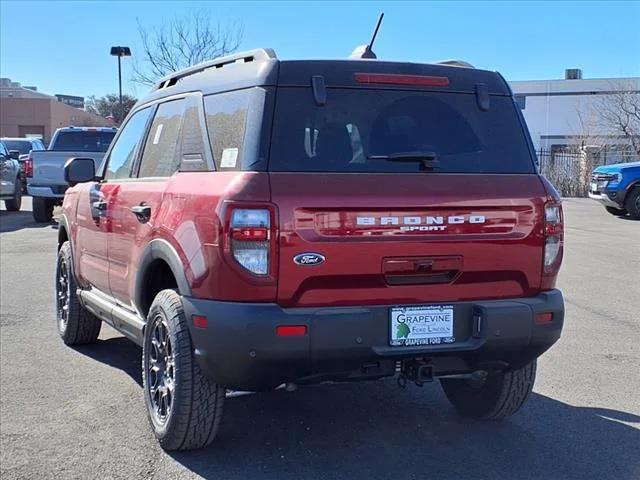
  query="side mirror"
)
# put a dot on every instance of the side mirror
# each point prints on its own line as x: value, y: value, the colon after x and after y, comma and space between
x: 15, y: 154
x: 79, y: 170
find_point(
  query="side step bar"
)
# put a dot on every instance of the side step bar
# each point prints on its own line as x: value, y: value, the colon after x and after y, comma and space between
x: 123, y: 320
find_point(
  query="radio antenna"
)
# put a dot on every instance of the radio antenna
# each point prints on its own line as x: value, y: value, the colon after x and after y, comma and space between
x: 365, y: 51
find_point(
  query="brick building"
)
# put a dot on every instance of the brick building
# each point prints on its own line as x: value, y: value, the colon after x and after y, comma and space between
x: 26, y: 112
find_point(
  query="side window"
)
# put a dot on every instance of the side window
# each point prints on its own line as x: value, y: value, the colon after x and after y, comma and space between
x: 123, y: 153
x: 160, y: 155
x: 226, y: 122
x: 194, y: 154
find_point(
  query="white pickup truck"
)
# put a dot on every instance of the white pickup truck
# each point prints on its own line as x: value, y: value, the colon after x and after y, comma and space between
x: 47, y: 185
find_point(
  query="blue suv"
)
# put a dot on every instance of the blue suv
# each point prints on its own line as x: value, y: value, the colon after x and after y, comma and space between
x: 617, y: 187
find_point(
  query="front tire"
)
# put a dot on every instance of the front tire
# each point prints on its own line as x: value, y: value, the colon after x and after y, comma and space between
x: 184, y: 407
x: 15, y: 203
x: 42, y: 209
x: 499, y: 395
x: 632, y: 203
x: 618, y: 212
x: 76, y: 325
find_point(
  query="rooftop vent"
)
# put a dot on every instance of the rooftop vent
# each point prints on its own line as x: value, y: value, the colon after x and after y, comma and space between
x: 573, y: 74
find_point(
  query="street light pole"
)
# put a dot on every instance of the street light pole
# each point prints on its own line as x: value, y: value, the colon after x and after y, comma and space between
x: 120, y: 52
x: 120, y: 78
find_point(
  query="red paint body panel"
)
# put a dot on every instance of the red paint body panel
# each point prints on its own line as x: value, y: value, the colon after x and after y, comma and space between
x: 313, y: 212
x: 500, y: 258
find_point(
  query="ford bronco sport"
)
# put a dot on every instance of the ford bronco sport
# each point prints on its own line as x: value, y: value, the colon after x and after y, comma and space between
x: 259, y: 223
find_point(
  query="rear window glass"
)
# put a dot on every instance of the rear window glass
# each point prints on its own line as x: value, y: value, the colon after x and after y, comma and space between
x: 356, y: 129
x: 23, y: 146
x: 82, y: 141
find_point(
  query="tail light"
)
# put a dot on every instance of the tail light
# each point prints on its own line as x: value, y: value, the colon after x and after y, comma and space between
x: 251, y: 239
x: 395, y: 79
x: 28, y: 167
x: 553, y: 242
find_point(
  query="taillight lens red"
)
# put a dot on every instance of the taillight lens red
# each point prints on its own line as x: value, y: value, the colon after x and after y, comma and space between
x: 28, y: 167
x: 553, y: 238
x: 251, y: 239
x: 291, y: 330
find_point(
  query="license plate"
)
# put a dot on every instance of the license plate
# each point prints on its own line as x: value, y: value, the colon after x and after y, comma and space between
x: 594, y: 187
x: 422, y: 325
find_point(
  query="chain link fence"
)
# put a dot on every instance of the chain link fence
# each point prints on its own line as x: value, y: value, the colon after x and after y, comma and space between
x: 570, y: 170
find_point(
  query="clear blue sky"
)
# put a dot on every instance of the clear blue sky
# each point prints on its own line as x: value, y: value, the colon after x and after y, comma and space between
x: 63, y: 47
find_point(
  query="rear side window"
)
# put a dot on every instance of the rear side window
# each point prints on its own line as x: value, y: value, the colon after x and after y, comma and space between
x: 227, y: 115
x: 22, y: 146
x: 356, y: 129
x: 83, y: 141
x: 160, y: 155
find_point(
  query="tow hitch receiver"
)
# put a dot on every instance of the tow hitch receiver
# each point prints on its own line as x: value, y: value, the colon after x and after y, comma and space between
x: 417, y: 371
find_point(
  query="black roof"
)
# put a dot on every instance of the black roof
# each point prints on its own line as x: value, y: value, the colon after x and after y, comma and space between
x: 262, y: 68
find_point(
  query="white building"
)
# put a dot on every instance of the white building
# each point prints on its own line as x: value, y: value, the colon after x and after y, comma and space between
x: 558, y: 111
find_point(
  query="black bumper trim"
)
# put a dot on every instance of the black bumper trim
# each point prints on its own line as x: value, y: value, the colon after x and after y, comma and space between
x: 240, y: 349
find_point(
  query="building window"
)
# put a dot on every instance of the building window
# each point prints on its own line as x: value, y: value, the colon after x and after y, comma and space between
x: 521, y: 100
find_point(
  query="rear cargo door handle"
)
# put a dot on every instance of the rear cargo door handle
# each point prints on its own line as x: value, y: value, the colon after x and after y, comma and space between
x: 421, y: 270
x: 142, y: 212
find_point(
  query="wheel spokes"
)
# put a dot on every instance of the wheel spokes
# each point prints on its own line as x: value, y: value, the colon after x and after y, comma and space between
x: 161, y: 370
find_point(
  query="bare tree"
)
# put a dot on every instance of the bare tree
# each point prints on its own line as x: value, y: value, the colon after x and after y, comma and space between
x: 109, y: 106
x: 181, y: 43
x: 617, y: 113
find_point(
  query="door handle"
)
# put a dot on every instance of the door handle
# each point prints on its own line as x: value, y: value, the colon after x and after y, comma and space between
x: 100, y: 208
x: 142, y: 212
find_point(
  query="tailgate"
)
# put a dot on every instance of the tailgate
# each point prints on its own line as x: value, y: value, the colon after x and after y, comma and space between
x: 48, y: 165
x: 407, y: 238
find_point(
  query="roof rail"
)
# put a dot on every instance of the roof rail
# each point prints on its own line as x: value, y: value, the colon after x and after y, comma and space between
x: 260, y: 54
x: 456, y: 63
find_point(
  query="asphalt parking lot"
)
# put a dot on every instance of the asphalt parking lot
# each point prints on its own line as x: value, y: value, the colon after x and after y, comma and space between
x: 78, y: 412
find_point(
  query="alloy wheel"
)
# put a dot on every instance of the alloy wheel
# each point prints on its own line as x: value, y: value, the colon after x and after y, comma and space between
x: 63, y: 295
x: 161, y: 370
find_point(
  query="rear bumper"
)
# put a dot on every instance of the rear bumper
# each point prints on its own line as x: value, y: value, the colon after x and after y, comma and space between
x: 239, y: 347
x: 55, y: 191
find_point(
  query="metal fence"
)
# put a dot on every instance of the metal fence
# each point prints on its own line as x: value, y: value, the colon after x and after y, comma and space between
x: 570, y: 170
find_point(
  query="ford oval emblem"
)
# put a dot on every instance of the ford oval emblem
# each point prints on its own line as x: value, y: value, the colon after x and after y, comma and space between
x: 308, y: 259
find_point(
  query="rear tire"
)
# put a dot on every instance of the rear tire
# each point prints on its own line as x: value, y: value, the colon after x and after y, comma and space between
x: 76, y: 325
x: 42, y: 209
x: 184, y: 407
x: 632, y: 203
x: 618, y: 212
x: 498, y: 396
x: 15, y: 203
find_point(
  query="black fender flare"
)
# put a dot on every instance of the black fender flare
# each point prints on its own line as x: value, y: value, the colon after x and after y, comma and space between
x: 63, y: 223
x: 629, y: 188
x: 163, y: 250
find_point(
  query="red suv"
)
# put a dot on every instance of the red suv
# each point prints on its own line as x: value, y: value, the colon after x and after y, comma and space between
x: 259, y: 223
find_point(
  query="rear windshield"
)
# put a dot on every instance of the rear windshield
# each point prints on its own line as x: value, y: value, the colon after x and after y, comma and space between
x: 82, y: 141
x: 356, y: 129
x: 23, y: 146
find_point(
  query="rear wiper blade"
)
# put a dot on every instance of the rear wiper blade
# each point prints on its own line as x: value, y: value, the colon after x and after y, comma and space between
x: 427, y: 159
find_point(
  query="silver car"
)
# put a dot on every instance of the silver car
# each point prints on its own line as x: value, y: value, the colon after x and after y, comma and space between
x: 10, y: 185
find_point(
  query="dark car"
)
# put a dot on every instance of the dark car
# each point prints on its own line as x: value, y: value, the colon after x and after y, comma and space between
x: 22, y: 148
x: 258, y: 223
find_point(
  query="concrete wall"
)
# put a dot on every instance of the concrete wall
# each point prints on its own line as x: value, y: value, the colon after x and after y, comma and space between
x: 21, y: 116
